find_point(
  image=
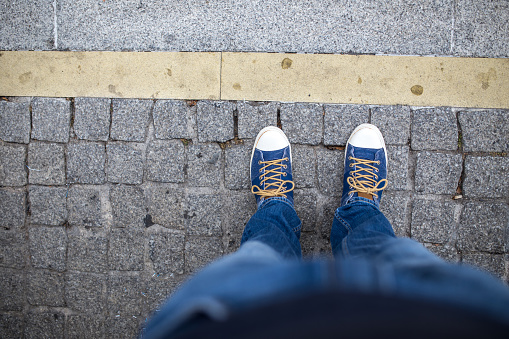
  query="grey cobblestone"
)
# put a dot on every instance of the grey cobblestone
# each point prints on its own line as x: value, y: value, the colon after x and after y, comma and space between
x: 393, y: 122
x: 394, y: 206
x: 447, y: 252
x: 485, y: 131
x: 483, y: 227
x: 86, y: 163
x: 44, y: 325
x: 122, y: 327
x: 12, y: 165
x: 45, y: 288
x: 130, y: 119
x: 492, y: 263
x: 205, y: 164
x: 437, y: 173
x: 48, y: 247
x: 46, y: 163
x: 304, y: 166
x: 486, y: 176
x: 84, y: 205
x: 48, y: 205
x: 305, y: 206
x: 15, y: 121
x: 166, y: 206
x: 253, y: 117
x: 172, y: 119
x: 202, y: 214
x: 215, y: 121
x: 124, y: 297
x: 85, y: 292
x: 11, y: 326
x: 432, y: 220
x: 326, y: 210
x: 125, y: 163
x: 128, y: 206
x: 12, y: 208
x: 330, y: 165
x: 236, y: 168
x: 87, y: 251
x: 199, y: 251
x: 84, y: 326
x: 240, y: 207
x: 166, y: 161
x: 398, y: 168
x: 341, y: 120
x: 92, y: 118
x: 126, y: 250
x: 158, y: 288
x: 51, y: 119
x: 434, y: 129
x: 302, y: 122
x: 12, y: 285
x: 12, y: 249
x: 166, y: 251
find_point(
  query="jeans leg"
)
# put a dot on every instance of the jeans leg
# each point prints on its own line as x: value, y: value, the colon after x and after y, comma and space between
x: 276, y: 224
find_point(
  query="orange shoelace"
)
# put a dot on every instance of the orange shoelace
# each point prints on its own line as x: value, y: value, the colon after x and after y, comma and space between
x: 273, y: 176
x: 365, y: 182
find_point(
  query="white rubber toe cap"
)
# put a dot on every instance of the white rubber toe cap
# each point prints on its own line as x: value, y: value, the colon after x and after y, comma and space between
x: 271, y: 138
x: 367, y: 136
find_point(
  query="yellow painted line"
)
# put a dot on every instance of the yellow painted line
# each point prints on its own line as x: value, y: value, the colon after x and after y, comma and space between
x: 325, y: 78
x: 380, y: 80
x: 111, y: 74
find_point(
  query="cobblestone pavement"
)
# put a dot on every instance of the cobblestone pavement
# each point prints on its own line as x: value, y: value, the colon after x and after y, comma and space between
x: 108, y: 205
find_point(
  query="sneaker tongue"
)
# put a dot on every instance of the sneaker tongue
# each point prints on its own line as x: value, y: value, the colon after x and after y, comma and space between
x: 367, y: 153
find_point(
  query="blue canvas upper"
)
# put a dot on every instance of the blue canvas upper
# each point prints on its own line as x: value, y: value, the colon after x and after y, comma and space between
x: 363, y: 153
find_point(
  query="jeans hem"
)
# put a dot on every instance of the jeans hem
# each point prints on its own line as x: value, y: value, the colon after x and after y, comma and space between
x: 264, y: 202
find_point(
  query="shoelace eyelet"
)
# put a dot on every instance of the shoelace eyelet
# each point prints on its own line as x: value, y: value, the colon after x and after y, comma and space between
x: 259, y: 162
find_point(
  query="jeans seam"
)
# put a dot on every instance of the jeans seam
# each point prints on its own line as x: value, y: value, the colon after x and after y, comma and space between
x: 347, y: 225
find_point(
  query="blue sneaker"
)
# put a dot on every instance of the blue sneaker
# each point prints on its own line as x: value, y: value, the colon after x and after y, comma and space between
x: 365, y: 165
x: 271, y: 166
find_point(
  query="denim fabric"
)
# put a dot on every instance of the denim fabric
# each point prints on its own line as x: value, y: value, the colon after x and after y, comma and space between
x: 369, y: 258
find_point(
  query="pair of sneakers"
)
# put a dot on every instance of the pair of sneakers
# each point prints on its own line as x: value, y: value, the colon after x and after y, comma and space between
x: 365, y: 166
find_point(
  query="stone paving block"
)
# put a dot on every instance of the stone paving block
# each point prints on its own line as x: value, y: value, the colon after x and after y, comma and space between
x: 126, y: 251
x: 330, y: 169
x: 486, y: 177
x: 92, y: 118
x: 204, y: 165
x: 173, y: 119
x: 236, y: 168
x: 200, y: 251
x: 305, y: 206
x: 397, y: 168
x: 84, y: 326
x: 46, y: 163
x: 158, y: 288
x: 326, y: 209
x: 303, y: 166
x: 51, y: 119
x: 48, y: 247
x: 308, y: 246
x: 48, y: 205
x: 11, y: 326
x: 166, y: 206
x: 12, y: 249
x: 254, y: 116
x: 493, y: 263
x: 166, y: 251
x: 12, y: 208
x: 483, y: 227
x: 15, y: 121
x: 86, y: 163
x: 302, y: 122
x: 84, y: 205
x: 128, y: 207
x: 438, y: 173
x: 44, y: 325
x: 232, y: 242
x: 12, y: 287
x: 85, y: 292
x: 124, y: 295
x: 215, y: 120
x: 238, y: 209
x: 45, y: 288
x: 432, y: 220
x: 129, y: 119
x: 394, y: 206
x: 12, y: 165
x: 434, y: 129
x: 125, y: 163
x: 27, y: 25
x: 122, y: 327
x: 485, y: 131
x: 393, y: 122
x: 447, y: 252
x: 166, y: 161
x: 341, y: 120
x: 87, y: 251
x: 480, y: 29
x: 203, y: 214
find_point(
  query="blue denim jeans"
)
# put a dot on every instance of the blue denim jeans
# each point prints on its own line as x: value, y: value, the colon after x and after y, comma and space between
x: 368, y: 258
